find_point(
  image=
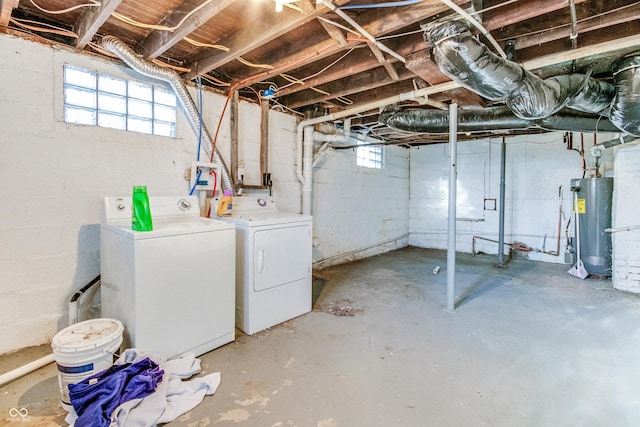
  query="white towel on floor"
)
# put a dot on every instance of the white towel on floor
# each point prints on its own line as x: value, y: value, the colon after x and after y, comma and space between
x: 172, y: 398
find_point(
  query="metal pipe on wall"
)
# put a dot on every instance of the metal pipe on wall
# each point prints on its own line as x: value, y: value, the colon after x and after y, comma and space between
x: 503, y: 157
x: 453, y: 177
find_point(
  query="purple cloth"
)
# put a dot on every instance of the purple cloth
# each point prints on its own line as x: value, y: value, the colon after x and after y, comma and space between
x: 96, y: 397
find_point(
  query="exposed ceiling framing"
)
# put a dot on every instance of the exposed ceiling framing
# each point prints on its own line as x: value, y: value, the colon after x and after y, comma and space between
x: 314, y: 55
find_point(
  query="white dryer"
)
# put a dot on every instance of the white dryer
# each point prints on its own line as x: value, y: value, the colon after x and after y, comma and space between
x: 273, y: 262
x: 173, y: 288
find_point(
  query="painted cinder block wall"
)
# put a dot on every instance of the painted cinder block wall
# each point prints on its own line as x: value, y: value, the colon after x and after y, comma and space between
x: 536, y: 167
x: 626, y: 208
x: 53, y: 176
x: 359, y: 211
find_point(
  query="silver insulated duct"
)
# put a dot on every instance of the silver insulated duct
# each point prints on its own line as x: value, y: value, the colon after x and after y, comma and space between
x: 129, y: 57
x: 572, y: 102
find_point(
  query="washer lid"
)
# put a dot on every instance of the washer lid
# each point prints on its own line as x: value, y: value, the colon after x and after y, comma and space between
x: 169, y: 227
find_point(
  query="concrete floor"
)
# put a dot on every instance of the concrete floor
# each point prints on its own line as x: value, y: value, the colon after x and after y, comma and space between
x: 528, y: 346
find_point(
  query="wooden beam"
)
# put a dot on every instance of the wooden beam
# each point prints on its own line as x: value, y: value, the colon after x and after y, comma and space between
x: 592, y: 23
x: 360, y: 60
x: 92, y: 19
x: 249, y: 38
x: 334, y: 32
x: 375, y: 23
x: 521, y: 11
x: 6, y: 7
x: 421, y: 64
x: 362, y: 82
x: 157, y: 42
x: 382, y: 60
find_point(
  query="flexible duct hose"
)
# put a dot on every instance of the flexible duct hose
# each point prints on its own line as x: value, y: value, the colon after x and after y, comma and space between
x: 129, y: 57
x: 422, y: 120
x: 471, y: 64
x: 625, y: 108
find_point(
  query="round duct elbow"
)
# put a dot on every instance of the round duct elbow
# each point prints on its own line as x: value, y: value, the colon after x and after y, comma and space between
x: 625, y: 107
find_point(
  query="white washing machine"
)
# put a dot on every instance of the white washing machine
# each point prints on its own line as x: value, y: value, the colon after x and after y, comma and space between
x: 273, y: 262
x: 173, y: 288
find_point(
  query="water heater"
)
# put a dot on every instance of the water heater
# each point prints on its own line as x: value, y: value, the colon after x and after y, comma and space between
x: 594, y: 212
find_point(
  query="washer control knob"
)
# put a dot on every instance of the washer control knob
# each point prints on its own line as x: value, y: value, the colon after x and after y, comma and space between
x: 184, y: 204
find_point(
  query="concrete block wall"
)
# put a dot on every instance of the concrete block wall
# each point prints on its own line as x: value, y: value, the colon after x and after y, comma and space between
x: 358, y: 211
x: 626, y: 202
x: 536, y: 166
x: 53, y: 176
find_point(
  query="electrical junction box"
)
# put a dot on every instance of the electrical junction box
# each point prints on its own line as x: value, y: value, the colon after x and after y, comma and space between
x: 201, y: 177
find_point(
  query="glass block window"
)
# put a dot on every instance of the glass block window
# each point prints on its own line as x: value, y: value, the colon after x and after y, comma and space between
x: 97, y: 99
x: 369, y: 156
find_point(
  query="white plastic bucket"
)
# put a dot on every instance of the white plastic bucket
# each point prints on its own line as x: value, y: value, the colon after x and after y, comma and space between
x: 84, y: 349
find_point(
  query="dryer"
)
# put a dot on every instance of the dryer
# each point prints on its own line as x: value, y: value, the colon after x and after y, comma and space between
x: 273, y: 262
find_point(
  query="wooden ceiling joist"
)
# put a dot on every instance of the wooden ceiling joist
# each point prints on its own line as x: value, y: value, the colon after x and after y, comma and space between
x: 157, y: 42
x: 6, y: 7
x: 92, y: 19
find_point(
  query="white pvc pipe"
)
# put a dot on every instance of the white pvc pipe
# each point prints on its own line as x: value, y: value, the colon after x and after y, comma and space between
x: 443, y: 87
x: 307, y: 170
x: 25, y: 369
x: 617, y: 229
x: 453, y: 177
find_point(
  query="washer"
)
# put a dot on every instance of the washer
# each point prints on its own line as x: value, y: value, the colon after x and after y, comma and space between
x: 273, y: 263
x: 173, y: 288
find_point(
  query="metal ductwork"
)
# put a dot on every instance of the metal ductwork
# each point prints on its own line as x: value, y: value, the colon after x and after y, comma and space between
x: 573, y: 102
x: 129, y: 57
x: 472, y: 120
x: 625, y: 107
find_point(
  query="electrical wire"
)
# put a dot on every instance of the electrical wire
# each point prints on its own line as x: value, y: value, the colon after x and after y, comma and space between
x: 382, y: 5
x: 408, y: 33
x: 158, y: 27
x: 214, y: 81
x: 335, y: 24
x: 51, y: 28
x: 173, y: 67
x: 580, y: 21
x: 344, y: 100
x: 70, y: 9
x: 98, y: 49
x: 291, y: 79
x: 319, y: 91
x: 200, y: 44
x: 322, y: 70
x: 253, y: 65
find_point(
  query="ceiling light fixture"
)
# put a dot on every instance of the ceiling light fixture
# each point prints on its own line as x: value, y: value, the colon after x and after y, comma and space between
x: 281, y: 3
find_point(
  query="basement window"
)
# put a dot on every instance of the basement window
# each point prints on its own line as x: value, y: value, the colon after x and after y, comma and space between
x: 97, y: 99
x: 369, y: 156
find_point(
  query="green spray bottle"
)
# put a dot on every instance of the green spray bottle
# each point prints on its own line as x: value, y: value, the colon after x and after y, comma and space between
x: 140, y: 211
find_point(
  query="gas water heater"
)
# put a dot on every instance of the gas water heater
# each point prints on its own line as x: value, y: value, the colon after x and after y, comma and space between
x: 594, y: 212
